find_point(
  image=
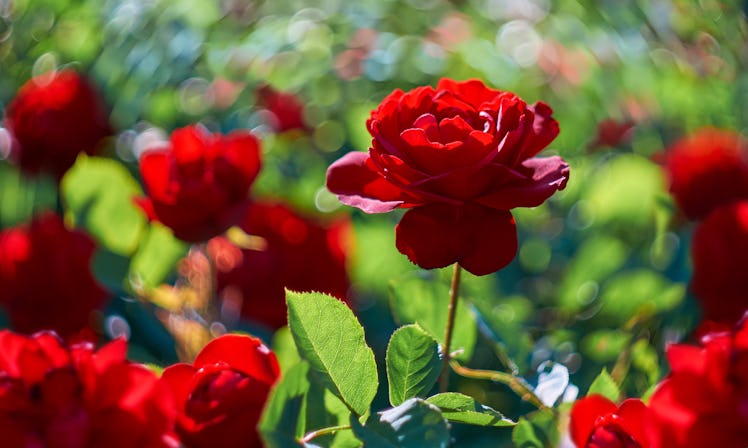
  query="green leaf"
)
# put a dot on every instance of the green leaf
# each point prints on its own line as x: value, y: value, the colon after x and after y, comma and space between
x: 298, y: 405
x: 417, y: 300
x: 98, y: 194
x: 22, y: 196
x: 330, y: 338
x: 604, y: 345
x: 415, y: 423
x: 605, y: 385
x: 284, y: 348
x: 157, y: 256
x: 536, y: 430
x: 413, y: 363
x: 281, y: 423
x: 460, y: 408
x: 639, y: 291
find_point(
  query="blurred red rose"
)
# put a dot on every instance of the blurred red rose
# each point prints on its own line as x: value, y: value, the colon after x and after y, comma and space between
x: 704, y: 399
x: 198, y: 183
x: 461, y: 156
x: 45, y: 273
x: 286, y: 107
x: 221, y: 395
x: 52, y: 395
x: 707, y: 170
x: 52, y: 119
x: 293, y: 252
x: 720, y: 256
x: 597, y: 422
x: 611, y: 133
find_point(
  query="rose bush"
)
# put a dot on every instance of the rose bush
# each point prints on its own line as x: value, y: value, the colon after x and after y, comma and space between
x: 52, y: 119
x: 597, y: 422
x: 460, y: 157
x: 221, y: 395
x: 52, y: 395
x: 702, y: 402
x: 706, y: 170
x: 720, y: 254
x: 45, y: 272
x: 197, y: 184
x: 294, y: 252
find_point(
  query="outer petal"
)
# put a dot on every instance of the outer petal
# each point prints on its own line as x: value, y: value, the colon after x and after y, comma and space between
x: 482, y: 240
x: 179, y: 379
x: 155, y: 168
x: 585, y: 413
x: 357, y: 183
x: 544, y: 176
x: 243, y: 353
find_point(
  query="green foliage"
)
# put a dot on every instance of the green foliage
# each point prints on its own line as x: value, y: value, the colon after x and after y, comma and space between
x: 98, y: 194
x: 413, y: 364
x: 605, y: 385
x: 22, y: 196
x: 459, y: 408
x: 331, y: 340
x: 413, y: 424
x: 424, y: 301
x: 536, y: 430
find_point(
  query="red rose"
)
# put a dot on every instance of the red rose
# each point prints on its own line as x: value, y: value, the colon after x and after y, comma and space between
x: 221, y: 395
x: 53, y: 118
x: 597, y: 422
x: 294, y: 252
x: 720, y: 255
x: 45, y: 273
x: 198, y: 183
x: 286, y: 108
x: 52, y: 395
x: 461, y: 157
x: 612, y: 133
x: 707, y: 170
x: 704, y: 400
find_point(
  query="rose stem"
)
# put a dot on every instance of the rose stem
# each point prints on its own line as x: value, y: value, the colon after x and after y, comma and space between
x: 324, y: 431
x: 211, y: 280
x: 517, y: 384
x: 454, y: 295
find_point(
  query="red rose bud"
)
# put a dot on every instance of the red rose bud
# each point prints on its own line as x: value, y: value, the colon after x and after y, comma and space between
x: 720, y: 255
x: 52, y: 119
x: 704, y: 399
x: 45, y: 273
x: 221, y: 395
x: 293, y: 252
x: 460, y: 156
x: 197, y: 184
x: 52, y: 395
x: 597, y: 422
x: 707, y: 170
x: 287, y: 108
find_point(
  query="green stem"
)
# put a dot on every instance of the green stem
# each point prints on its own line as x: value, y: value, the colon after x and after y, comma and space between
x: 517, y: 384
x: 321, y: 432
x: 454, y: 295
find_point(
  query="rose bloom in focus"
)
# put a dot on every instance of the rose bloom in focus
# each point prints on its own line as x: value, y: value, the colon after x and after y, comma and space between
x: 597, y: 422
x: 702, y: 402
x: 52, y: 395
x: 719, y: 251
x: 45, y: 273
x: 707, y: 170
x: 221, y: 395
x: 460, y: 157
x: 292, y: 251
x: 198, y: 183
x: 52, y: 119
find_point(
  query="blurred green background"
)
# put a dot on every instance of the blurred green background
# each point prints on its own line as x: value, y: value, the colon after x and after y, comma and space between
x: 601, y: 276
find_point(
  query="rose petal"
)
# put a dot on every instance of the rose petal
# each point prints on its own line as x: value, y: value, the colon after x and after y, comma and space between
x: 357, y: 183
x: 584, y: 414
x: 155, y: 168
x: 482, y: 240
x: 544, y: 176
x: 179, y: 379
x: 243, y: 353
